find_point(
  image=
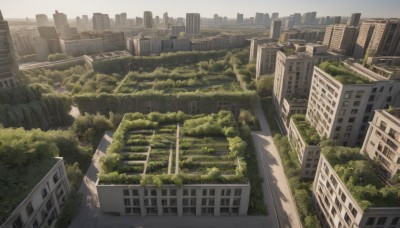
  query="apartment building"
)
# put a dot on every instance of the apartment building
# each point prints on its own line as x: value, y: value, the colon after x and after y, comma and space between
x: 239, y: 18
x: 378, y: 37
x: 341, y: 104
x: 305, y: 142
x: 112, y: 41
x: 275, y: 30
x: 254, y: 46
x: 292, y: 106
x: 8, y: 66
x: 193, y: 24
x: 177, y: 29
x: 354, y: 19
x: 82, y: 47
x: 266, y: 59
x: 306, y: 36
x: 101, y: 21
x: 60, y: 20
x: 340, y: 38
x: 42, y: 20
x: 382, y: 141
x: 148, y: 19
x: 338, y: 206
x: 43, y: 204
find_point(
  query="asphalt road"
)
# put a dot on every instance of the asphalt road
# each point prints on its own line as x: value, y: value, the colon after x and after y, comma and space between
x: 279, y: 198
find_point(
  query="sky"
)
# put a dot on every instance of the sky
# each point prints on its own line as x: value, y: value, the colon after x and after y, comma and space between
x: 178, y: 8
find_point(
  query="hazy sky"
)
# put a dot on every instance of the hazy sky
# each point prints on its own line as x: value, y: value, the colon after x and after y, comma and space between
x: 178, y: 8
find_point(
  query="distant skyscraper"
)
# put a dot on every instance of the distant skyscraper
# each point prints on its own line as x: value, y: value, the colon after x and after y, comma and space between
x: 275, y: 30
x: 101, y: 21
x: 148, y: 19
x: 60, y: 20
x: 267, y: 20
x: 117, y: 19
x: 274, y: 16
x: 354, y: 20
x: 296, y: 18
x: 179, y: 21
x: 8, y: 66
x: 157, y: 20
x: 139, y: 21
x: 166, y: 20
x: 193, y: 23
x: 85, y: 20
x: 336, y: 19
x: 42, y: 20
x: 124, y: 19
x: 239, y: 18
x: 176, y: 29
x: 290, y: 22
x: 340, y: 38
x: 259, y: 19
x: 309, y: 18
x: 78, y: 21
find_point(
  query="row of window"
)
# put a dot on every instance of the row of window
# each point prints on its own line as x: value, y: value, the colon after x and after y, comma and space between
x: 185, y: 202
x: 186, y: 211
x: 186, y: 192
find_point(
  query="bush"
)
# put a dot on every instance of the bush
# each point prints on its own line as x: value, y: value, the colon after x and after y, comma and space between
x: 58, y: 56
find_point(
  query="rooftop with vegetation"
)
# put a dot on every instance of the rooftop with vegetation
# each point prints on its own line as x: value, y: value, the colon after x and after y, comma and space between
x: 361, y: 179
x: 144, y: 150
x: 25, y: 158
x: 343, y: 73
x: 307, y: 132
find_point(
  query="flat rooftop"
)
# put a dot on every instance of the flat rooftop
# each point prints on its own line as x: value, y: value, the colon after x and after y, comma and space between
x: 307, y: 132
x: 110, y: 55
x: 360, y: 178
x: 175, y: 147
x: 343, y: 73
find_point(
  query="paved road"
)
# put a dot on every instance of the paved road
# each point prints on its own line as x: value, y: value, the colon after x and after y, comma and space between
x: 35, y: 65
x: 275, y: 186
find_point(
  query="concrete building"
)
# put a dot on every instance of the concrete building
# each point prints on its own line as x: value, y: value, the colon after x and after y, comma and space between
x: 82, y: 47
x: 138, y: 21
x: 305, y: 35
x: 296, y: 19
x: 42, y: 20
x: 146, y: 46
x: 50, y: 35
x: 101, y: 21
x: 239, y: 18
x: 275, y: 30
x: 201, y: 45
x: 60, y: 20
x: 192, y: 23
x: 68, y: 32
x: 177, y: 29
x: 336, y: 20
x: 340, y: 38
x: 354, y: 19
x: 166, y: 20
x: 112, y: 41
x: 41, y: 48
x: 259, y: 19
x: 274, y: 16
x: 382, y: 141
x: 292, y: 106
x: 8, y: 65
x: 121, y: 19
x: 42, y: 205
x: 254, y: 47
x: 267, y: 20
x: 148, y: 19
x: 309, y: 18
x: 266, y: 59
x: 293, y: 74
x: 340, y: 106
x: 187, y: 199
x: 337, y: 205
x: 290, y: 22
x: 306, y: 146
x: 89, y: 59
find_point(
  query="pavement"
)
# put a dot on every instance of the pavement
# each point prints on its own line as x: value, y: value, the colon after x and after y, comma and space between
x: 277, y: 194
x: 36, y: 65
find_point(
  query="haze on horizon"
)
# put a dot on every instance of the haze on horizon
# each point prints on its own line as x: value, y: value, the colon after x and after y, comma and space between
x: 178, y: 8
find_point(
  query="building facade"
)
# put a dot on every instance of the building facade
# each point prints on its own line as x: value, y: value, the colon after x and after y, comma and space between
x: 42, y: 20
x: 341, y: 110
x: 148, y: 19
x: 275, y: 30
x: 60, y: 20
x: 354, y: 19
x: 193, y: 24
x: 82, y: 47
x: 43, y: 204
x: 8, y: 65
x: 338, y: 208
x: 266, y: 59
x: 239, y: 18
x: 101, y: 21
x: 177, y: 29
x: 382, y: 141
x: 340, y: 38
x: 254, y: 47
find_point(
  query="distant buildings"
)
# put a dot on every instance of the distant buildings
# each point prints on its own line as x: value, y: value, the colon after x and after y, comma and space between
x: 148, y: 19
x: 239, y: 18
x: 309, y: 18
x: 176, y: 29
x: 378, y: 37
x: 305, y: 35
x: 254, y: 47
x: 8, y: 66
x: 192, y: 23
x: 354, y: 19
x: 275, y: 30
x: 60, y: 20
x: 42, y: 20
x: 274, y: 16
x: 121, y: 19
x: 340, y: 38
x: 101, y: 21
x: 166, y: 20
x: 296, y: 19
x: 259, y: 19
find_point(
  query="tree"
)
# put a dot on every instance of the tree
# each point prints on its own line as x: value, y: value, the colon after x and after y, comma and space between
x: 58, y: 56
x: 265, y: 85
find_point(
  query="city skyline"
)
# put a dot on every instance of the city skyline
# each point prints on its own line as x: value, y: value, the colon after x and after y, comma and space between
x: 206, y: 8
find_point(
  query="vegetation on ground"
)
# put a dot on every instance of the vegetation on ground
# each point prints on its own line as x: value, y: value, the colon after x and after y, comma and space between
x: 58, y: 56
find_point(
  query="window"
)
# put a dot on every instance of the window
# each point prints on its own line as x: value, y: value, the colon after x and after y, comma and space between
x: 349, y: 127
x: 203, y: 202
x: 55, y: 178
x: 381, y: 221
x: 35, y: 224
x: 345, y: 104
x: 211, y: 202
x: 223, y: 192
x: 347, y: 218
x: 172, y: 192
x: 340, y: 120
x: 354, y: 111
x: 228, y: 192
x: 238, y: 192
x: 135, y: 192
x: 193, y: 192
x: 395, y: 221
x: 212, y: 192
x: 185, y: 202
x: 352, y: 119
x: 153, y: 192
x: 172, y: 202
x: 136, y: 202
x: 127, y: 202
x: 356, y: 103
x: 164, y: 192
x: 185, y: 192
x: 17, y: 223
x: 164, y: 202
x: 49, y: 204
x: 29, y: 209
x: 204, y: 192
x: 236, y: 202
x: 128, y: 210
x: 44, y: 193
x: 371, y: 98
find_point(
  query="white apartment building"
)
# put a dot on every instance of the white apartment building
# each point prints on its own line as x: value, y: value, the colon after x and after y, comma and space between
x: 337, y: 207
x: 190, y: 199
x: 82, y: 47
x: 308, y: 151
x: 340, y: 38
x: 340, y: 107
x: 254, y: 46
x: 43, y: 204
x: 382, y: 142
x: 266, y: 59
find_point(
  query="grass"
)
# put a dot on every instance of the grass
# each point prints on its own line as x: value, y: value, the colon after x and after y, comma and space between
x: 343, y: 73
